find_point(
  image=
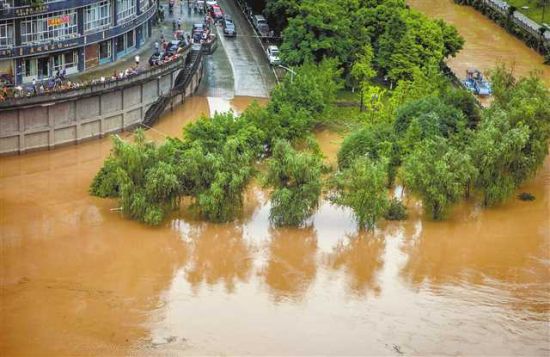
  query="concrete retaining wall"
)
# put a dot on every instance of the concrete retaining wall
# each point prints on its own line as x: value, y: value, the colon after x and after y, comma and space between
x: 45, y: 123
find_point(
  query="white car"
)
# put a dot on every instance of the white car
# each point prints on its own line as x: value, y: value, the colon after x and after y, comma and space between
x: 273, y: 55
x: 211, y: 2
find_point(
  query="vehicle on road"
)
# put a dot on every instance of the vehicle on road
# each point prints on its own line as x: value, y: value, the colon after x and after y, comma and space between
x: 229, y: 27
x: 261, y: 25
x: 196, y: 33
x: 216, y: 12
x: 273, y: 55
x: 476, y: 84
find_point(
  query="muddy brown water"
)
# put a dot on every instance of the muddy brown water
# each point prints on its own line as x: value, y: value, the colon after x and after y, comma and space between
x: 76, y: 278
x: 487, y: 44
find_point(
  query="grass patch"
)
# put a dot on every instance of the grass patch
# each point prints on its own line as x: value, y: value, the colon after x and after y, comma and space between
x: 534, y: 11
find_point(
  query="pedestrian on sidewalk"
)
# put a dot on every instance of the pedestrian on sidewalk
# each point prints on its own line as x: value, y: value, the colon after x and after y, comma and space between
x: 34, y: 86
x: 156, y: 46
x: 137, y: 60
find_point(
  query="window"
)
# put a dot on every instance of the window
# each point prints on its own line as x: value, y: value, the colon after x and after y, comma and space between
x: 120, y: 43
x: 126, y: 10
x: 97, y: 16
x: 51, y: 27
x: 6, y: 34
x: 105, y: 49
x: 65, y: 60
x: 130, y: 39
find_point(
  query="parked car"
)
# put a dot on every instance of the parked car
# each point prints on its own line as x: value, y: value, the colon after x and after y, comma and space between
x: 216, y: 12
x: 229, y: 27
x: 211, y: 3
x: 261, y: 25
x: 273, y: 55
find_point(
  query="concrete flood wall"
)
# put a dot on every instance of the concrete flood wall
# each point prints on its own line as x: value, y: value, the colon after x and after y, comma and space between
x: 48, y: 121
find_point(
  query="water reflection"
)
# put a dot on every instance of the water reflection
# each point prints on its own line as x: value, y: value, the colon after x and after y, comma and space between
x: 486, y: 248
x: 360, y: 256
x: 291, y: 266
x: 219, y: 255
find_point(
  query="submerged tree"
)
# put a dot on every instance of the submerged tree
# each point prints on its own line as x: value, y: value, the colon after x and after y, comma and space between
x: 362, y: 187
x: 296, y: 179
x: 144, y: 180
x: 495, y: 149
x: 439, y: 174
x: 376, y: 141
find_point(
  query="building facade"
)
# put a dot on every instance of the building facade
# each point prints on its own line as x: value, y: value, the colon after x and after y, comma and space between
x: 40, y: 37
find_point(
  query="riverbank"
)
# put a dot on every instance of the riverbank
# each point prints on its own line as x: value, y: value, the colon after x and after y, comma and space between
x: 533, y: 34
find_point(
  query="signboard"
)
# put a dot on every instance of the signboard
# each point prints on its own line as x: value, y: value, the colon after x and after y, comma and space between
x: 56, y: 21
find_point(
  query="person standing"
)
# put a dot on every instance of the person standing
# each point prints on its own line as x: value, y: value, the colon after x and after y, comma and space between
x: 137, y: 60
x: 156, y: 46
x: 34, y: 85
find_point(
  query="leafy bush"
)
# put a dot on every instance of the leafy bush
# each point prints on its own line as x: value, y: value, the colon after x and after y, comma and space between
x: 396, y: 211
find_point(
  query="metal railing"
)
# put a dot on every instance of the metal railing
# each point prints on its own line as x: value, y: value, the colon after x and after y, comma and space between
x: 96, y: 88
x: 184, y: 78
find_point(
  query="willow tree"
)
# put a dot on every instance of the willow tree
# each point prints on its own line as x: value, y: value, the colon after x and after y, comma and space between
x: 439, y: 174
x: 144, y: 180
x: 362, y: 187
x: 296, y: 179
x: 495, y: 149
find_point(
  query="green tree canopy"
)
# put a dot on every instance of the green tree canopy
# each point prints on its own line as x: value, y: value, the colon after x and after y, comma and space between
x: 439, y: 174
x: 296, y: 180
x: 362, y: 187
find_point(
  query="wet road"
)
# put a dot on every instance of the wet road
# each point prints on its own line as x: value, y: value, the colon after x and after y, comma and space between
x: 238, y: 67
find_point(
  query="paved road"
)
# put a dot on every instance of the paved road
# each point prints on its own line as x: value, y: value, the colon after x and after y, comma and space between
x: 238, y: 67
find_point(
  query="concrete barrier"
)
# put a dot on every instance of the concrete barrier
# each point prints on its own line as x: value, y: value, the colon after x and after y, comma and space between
x: 49, y: 121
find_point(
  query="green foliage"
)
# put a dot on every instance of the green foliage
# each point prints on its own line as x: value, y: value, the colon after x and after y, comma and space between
x: 496, y: 150
x: 296, y: 179
x: 362, y: 187
x: 375, y: 141
x: 212, y: 133
x: 396, y: 211
x: 432, y: 115
x: 402, y: 39
x: 106, y: 181
x: 439, y: 174
x: 139, y: 175
x: 298, y: 105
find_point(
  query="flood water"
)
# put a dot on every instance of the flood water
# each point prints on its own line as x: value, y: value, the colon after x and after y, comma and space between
x: 487, y: 44
x: 77, y: 278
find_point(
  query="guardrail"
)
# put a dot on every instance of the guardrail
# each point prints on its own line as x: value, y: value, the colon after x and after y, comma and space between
x: 94, y: 88
x: 519, y: 19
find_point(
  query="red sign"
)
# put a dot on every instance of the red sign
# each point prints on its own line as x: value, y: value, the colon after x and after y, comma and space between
x: 56, y: 21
